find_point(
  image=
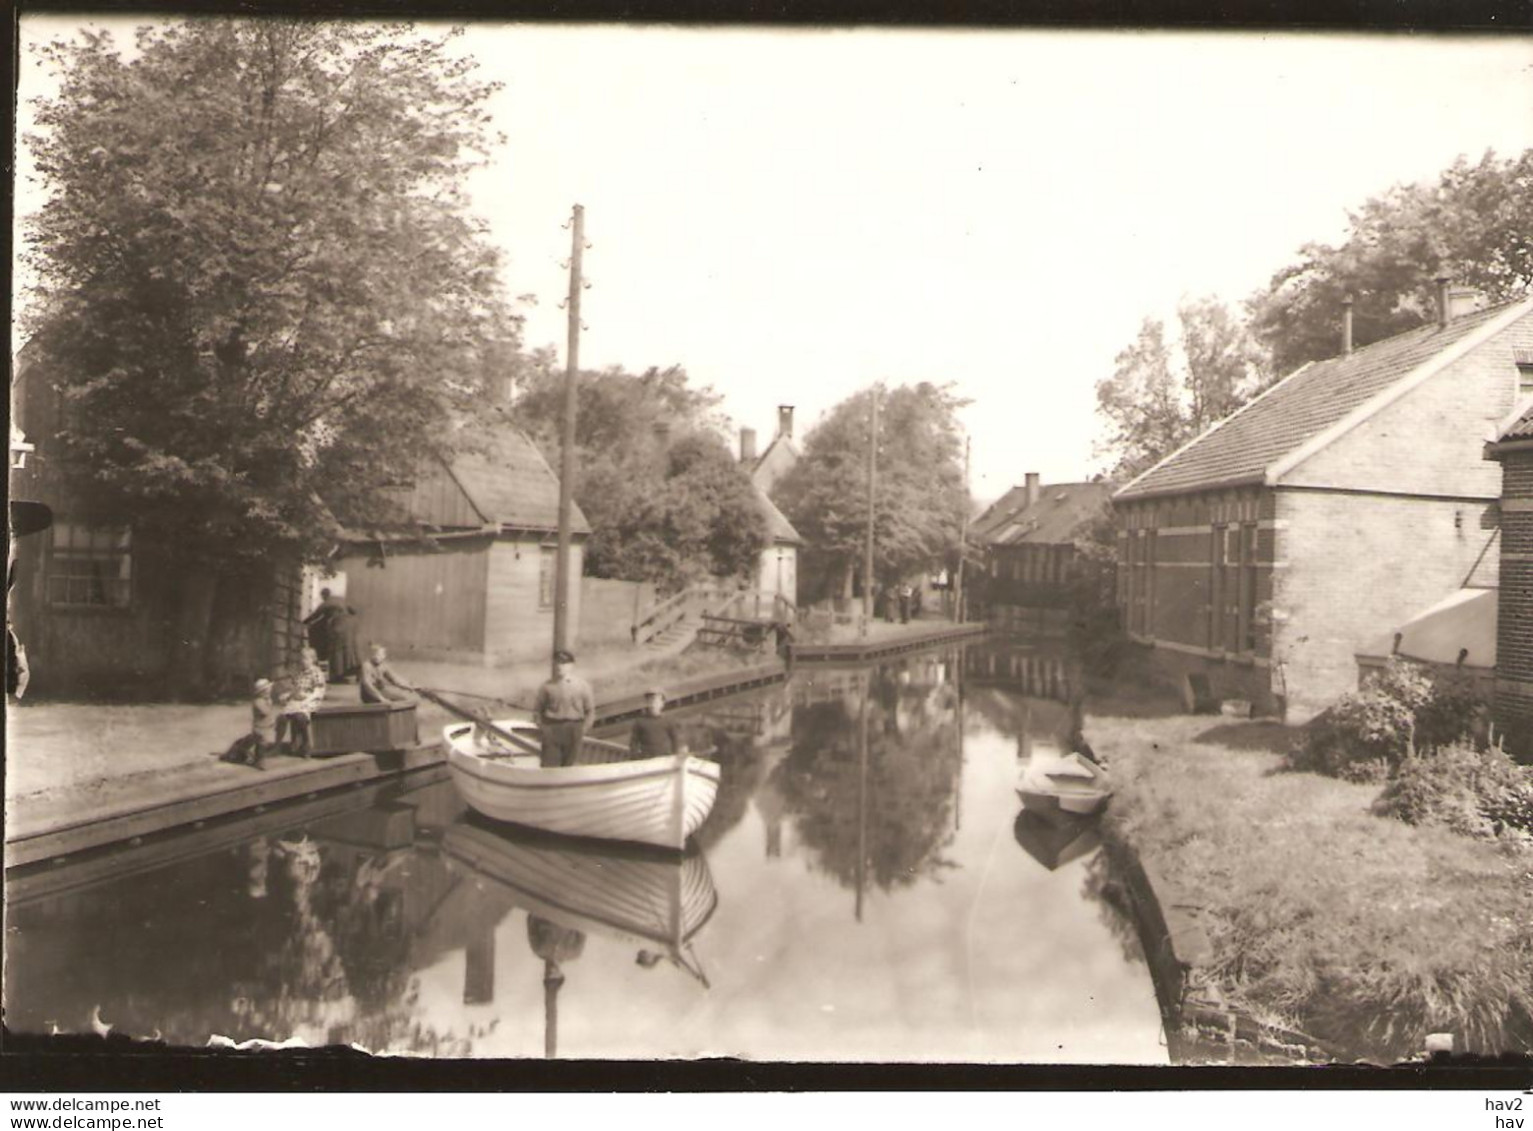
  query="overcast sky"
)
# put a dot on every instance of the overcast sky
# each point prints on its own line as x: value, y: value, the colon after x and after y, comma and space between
x: 793, y: 214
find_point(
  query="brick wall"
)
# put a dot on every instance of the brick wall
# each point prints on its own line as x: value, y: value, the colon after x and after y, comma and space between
x: 1353, y: 567
x: 1514, y: 623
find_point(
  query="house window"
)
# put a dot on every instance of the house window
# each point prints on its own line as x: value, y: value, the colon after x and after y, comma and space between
x: 1525, y: 378
x: 90, y: 566
x: 548, y: 569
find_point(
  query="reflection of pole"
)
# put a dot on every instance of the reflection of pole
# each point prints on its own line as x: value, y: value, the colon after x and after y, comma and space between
x: 862, y: 793
x: 567, y: 443
x: 867, y: 561
x: 958, y: 804
x: 553, y: 978
x: 479, y: 967
x: 963, y: 540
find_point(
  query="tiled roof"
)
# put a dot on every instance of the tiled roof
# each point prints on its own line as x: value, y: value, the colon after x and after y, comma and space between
x: 1057, y: 517
x: 1240, y: 448
x: 512, y: 485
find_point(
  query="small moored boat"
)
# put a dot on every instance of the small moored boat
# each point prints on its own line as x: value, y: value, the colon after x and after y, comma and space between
x: 1070, y: 782
x: 654, y: 801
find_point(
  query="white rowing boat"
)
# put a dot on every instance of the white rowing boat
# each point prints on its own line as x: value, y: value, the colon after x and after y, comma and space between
x: 1070, y: 783
x: 656, y: 801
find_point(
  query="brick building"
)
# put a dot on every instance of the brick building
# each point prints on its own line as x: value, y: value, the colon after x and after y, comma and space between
x: 1513, y: 449
x: 1349, y: 496
x: 1031, y: 566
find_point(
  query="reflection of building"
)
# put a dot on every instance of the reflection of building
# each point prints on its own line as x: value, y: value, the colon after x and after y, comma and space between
x: 1345, y: 499
x: 1042, y: 674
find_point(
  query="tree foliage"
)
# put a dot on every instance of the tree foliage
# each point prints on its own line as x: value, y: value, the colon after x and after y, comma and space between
x: 920, y: 498
x: 261, y: 298
x: 1158, y: 398
x: 664, y: 496
x: 1473, y: 224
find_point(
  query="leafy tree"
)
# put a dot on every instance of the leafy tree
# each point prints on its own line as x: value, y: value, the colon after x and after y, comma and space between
x: 664, y: 496
x: 261, y: 299
x: 1159, y: 398
x: 920, y: 498
x: 1474, y: 224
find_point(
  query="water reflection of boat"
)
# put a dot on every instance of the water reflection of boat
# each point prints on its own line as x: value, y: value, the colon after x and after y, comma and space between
x: 601, y: 889
x: 1070, y: 782
x: 1056, y: 839
x: 657, y: 801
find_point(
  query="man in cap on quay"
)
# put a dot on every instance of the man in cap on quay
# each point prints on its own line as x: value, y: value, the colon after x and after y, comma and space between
x: 653, y: 735
x: 565, y: 710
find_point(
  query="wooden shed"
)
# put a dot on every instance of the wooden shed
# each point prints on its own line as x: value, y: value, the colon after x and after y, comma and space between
x: 470, y: 575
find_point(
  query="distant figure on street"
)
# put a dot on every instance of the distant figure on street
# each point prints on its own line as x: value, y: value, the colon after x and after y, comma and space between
x: 305, y: 693
x: 379, y: 683
x: 251, y: 749
x: 891, y: 599
x: 653, y: 735
x: 905, y: 592
x: 565, y: 710
x: 784, y: 632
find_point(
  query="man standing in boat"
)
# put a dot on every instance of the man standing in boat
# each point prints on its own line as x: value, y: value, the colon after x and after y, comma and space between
x: 565, y: 709
x: 655, y: 736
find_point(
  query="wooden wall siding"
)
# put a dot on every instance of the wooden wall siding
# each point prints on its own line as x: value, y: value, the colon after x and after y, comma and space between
x: 608, y: 609
x: 1354, y: 565
x: 1430, y: 441
x: 114, y: 652
x: 515, y: 627
x: 422, y: 600
x: 774, y: 579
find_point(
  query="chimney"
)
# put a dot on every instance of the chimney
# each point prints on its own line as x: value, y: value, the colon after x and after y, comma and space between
x: 785, y: 421
x: 747, y: 445
x: 1033, y: 488
x: 1442, y: 302
x: 1464, y: 300
x: 1346, y: 324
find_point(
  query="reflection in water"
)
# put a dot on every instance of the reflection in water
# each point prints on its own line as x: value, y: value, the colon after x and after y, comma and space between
x: 871, y: 782
x: 875, y: 905
x: 570, y: 889
x: 1057, y: 838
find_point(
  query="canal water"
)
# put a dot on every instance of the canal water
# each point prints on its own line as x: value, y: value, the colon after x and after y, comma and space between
x: 867, y: 888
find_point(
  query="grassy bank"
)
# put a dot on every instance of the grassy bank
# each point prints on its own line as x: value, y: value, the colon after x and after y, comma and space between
x: 1363, y: 931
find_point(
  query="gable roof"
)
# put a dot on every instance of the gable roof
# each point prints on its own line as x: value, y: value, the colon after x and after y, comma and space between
x: 506, y: 485
x: 511, y: 484
x: 771, y: 465
x: 778, y: 526
x: 1056, y: 518
x: 1314, y: 405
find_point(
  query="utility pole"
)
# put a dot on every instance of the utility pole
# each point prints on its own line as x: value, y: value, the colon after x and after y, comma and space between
x: 867, y: 561
x: 567, y: 442
x: 963, y: 540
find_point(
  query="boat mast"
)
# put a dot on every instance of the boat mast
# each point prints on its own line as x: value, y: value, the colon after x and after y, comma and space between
x: 567, y: 443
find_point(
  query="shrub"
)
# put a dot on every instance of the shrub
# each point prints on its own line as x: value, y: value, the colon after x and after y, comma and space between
x: 1472, y: 792
x: 1369, y: 732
